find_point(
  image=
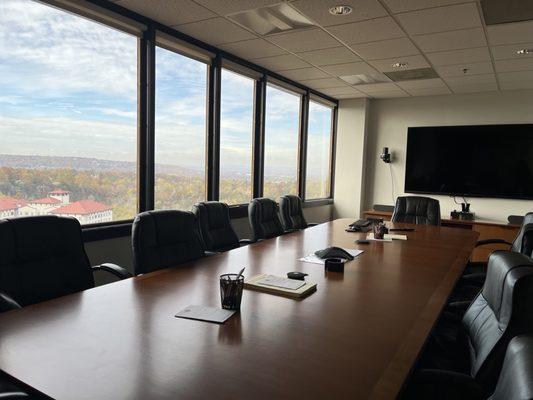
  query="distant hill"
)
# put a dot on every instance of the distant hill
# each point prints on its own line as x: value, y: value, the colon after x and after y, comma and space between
x: 85, y: 164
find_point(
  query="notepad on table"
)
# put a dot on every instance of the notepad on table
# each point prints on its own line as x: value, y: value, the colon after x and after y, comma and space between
x: 204, y: 313
x: 278, y: 285
x: 387, y: 237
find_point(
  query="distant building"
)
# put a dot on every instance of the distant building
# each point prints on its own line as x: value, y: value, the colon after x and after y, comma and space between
x: 57, y: 203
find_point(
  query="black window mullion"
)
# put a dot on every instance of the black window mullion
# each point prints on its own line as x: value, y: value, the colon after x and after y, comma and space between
x: 213, y: 130
x: 146, y: 120
x: 333, y: 151
x: 302, y: 145
x: 258, y: 159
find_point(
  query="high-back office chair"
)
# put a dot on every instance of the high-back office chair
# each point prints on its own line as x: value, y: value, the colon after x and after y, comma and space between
x: 292, y: 213
x: 165, y: 238
x: 42, y: 258
x: 501, y: 311
x: 417, y: 210
x: 516, y: 378
x: 264, y: 218
x: 215, y: 226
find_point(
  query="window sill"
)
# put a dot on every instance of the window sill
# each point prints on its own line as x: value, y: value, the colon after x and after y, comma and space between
x: 104, y: 231
x: 317, y: 202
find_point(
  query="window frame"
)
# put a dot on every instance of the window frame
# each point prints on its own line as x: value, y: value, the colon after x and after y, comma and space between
x: 146, y: 116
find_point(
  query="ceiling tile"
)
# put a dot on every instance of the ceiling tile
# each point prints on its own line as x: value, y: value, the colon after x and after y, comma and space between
x: 254, y: 48
x: 422, y: 84
x: 429, y: 91
x: 524, y: 64
x: 385, y: 49
x: 470, y: 79
x: 509, y: 51
x: 350, y: 96
x: 413, y: 62
x: 461, y: 39
x: 341, y: 90
x: 378, y: 87
x: 453, y: 57
x: 169, y: 12
x: 210, y: 31
x: 440, y: 19
x: 318, y: 10
x: 225, y: 7
x: 304, y: 73
x: 325, y: 83
x: 367, y: 31
x: 281, y: 63
x: 389, y: 95
x: 514, y: 85
x: 520, y: 77
x: 336, y: 55
x: 473, y: 69
x: 518, y: 32
x: 397, y: 6
x: 356, y: 68
x: 305, y: 40
x: 474, y: 88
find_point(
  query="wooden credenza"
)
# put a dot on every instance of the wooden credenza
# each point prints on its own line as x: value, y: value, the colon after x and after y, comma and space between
x: 486, y: 229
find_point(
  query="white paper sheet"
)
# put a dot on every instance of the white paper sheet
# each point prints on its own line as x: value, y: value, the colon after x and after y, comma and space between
x: 314, y: 259
x: 284, y: 283
x: 204, y: 313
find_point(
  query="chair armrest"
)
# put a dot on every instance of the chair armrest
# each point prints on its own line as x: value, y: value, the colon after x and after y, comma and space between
x: 118, y: 271
x: 245, y: 242
x: 290, y: 231
x: 8, y: 303
x: 210, y: 253
x: 492, y: 241
x: 309, y: 225
x: 435, y: 383
x: 13, y: 396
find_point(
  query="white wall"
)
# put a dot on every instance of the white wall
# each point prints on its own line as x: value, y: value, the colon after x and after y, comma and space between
x: 390, y: 118
x: 350, y: 157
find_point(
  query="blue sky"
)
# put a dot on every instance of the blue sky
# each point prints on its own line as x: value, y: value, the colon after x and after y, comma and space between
x: 68, y: 88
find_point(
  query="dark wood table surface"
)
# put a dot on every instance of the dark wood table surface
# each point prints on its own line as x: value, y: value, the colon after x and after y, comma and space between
x: 356, y: 337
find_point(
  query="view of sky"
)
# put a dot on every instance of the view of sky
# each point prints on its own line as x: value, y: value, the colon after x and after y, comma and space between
x: 68, y: 88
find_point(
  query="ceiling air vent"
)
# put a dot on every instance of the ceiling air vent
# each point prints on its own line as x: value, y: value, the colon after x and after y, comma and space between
x: 412, y: 74
x: 503, y: 12
x: 274, y: 19
x: 364, y: 79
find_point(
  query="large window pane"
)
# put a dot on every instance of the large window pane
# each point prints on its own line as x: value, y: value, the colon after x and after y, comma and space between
x: 317, y: 183
x: 236, y: 127
x: 180, y: 130
x: 282, y: 123
x: 68, y: 115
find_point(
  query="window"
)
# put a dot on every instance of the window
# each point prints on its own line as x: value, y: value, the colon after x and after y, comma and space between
x: 318, y: 179
x: 68, y: 115
x: 180, y: 130
x: 282, y: 122
x: 236, y: 130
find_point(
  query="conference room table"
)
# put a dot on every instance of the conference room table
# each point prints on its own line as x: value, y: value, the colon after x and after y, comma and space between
x: 358, y: 336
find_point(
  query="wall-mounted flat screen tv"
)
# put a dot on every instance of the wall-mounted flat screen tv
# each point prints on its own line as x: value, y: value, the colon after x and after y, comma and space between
x: 471, y: 161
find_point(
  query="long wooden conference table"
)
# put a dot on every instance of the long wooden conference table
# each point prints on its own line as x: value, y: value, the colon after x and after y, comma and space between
x: 356, y: 337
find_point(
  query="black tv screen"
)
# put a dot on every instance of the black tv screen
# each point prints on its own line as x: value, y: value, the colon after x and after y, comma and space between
x: 474, y: 161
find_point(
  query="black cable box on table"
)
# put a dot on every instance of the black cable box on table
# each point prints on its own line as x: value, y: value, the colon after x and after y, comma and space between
x: 465, y: 216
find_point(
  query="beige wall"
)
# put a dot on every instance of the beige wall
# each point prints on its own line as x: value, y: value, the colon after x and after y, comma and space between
x: 350, y: 157
x: 388, y: 123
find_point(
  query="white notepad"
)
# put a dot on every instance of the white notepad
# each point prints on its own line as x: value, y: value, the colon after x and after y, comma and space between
x: 279, y: 282
x: 208, y: 314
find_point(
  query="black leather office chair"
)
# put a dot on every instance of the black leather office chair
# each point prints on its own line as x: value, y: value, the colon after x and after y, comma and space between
x: 42, y: 258
x: 518, y: 245
x: 165, y: 238
x: 471, y: 353
x: 14, y: 395
x: 516, y: 378
x: 264, y: 219
x: 417, y: 210
x: 215, y: 226
x: 292, y: 213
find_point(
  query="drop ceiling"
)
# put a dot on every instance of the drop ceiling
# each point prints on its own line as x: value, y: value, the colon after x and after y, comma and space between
x: 449, y: 36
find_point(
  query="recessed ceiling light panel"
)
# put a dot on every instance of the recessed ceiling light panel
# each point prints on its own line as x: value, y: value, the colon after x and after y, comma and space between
x: 399, y: 64
x: 341, y: 9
